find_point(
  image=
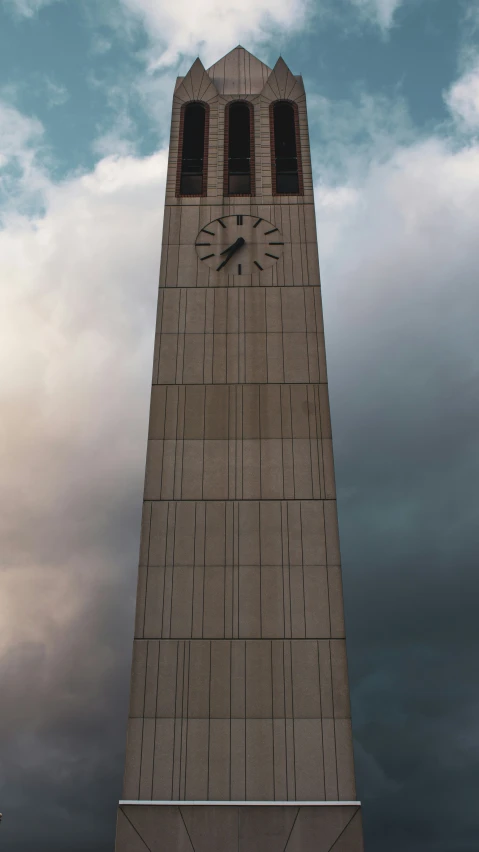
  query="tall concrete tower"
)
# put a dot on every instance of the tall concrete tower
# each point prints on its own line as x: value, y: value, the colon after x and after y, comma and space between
x: 239, y: 733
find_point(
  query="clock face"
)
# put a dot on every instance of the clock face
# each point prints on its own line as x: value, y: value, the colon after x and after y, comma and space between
x: 239, y: 244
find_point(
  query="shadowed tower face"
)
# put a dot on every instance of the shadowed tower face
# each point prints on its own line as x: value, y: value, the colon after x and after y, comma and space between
x: 239, y: 732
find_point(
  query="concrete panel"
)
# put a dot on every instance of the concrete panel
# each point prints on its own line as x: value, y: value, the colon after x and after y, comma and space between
x: 215, y: 479
x: 255, y: 351
x: 238, y: 760
x: 219, y: 760
x: 197, y: 760
x: 249, y: 602
x: 254, y: 310
x: 308, y: 760
x: 259, y: 760
x: 306, y: 689
x: 215, y: 533
x: 272, y: 602
x: 313, y: 535
x: 293, y: 309
x: 330, y: 767
x: 194, y: 352
x: 258, y: 680
x: 199, y: 680
x: 265, y: 829
x: 316, y: 602
x: 249, y: 533
x: 252, y: 460
x: 161, y: 832
x: 214, y: 602
x: 216, y: 413
x: 275, y: 355
x: 194, y: 412
x: 163, y: 759
x: 220, y: 682
x: 181, y: 607
x: 270, y: 525
x: 250, y: 411
x: 317, y: 829
x: 147, y: 755
x: 193, y: 463
x: 151, y: 684
x: 167, y: 679
x: 212, y: 829
x: 270, y: 408
x: 185, y: 533
x: 238, y: 678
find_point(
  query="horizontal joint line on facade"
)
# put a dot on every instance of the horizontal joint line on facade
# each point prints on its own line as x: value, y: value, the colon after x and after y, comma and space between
x: 230, y: 384
x: 239, y: 499
x: 180, y: 803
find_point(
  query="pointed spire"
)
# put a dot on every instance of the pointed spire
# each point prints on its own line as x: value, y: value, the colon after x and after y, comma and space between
x: 239, y: 73
x: 197, y: 85
x: 283, y: 84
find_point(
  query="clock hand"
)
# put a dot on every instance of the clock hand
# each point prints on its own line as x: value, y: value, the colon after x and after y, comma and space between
x: 231, y: 250
x: 239, y: 242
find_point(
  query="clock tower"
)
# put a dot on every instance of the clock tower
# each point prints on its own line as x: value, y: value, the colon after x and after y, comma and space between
x: 239, y: 731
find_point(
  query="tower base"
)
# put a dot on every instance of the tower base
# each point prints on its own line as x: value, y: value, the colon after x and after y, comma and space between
x: 239, y: 827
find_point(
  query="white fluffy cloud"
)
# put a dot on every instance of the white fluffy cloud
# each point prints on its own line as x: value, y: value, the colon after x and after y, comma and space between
x: 463, y: 99
x: 77, y: 296
x: 186, y: 26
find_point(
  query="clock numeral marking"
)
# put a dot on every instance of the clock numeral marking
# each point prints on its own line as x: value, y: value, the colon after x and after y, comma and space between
x: 258, y: 265
x: 239, y: 268
x: 276, y: 257
x: 270, y: 232
x: 221, y: 223
x: 204, y: 244
x: 207, y: 256
x: 276, y: 244
x: 211, y: 233
x: 239, y: 220
x: 257, y: 223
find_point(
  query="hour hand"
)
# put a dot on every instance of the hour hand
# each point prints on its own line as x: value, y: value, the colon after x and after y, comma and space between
x: 239, y: 242
x: 229, y: 252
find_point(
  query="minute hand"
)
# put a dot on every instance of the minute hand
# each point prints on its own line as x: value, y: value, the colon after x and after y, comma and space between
x: 230, y: 252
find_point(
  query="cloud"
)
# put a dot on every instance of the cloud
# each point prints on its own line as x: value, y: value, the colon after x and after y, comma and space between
x: 22, y: 176
x: 27, y: 8
x: 212, y: 27
x: 77, y: 294
x: 463, y: 99
x: 399, y: 256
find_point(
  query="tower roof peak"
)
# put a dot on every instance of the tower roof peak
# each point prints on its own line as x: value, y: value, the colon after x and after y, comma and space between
x: 239, y: 72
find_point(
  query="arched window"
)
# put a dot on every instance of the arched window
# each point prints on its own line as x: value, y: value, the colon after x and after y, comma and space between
x: 192, y: 162
x: 239, y: 165
x: 287, y: 173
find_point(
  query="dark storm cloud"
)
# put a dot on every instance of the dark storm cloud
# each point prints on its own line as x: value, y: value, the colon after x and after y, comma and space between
x: 403, y: 362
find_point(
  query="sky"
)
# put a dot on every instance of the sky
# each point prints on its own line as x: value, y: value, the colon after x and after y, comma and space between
x: 85, y: 98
